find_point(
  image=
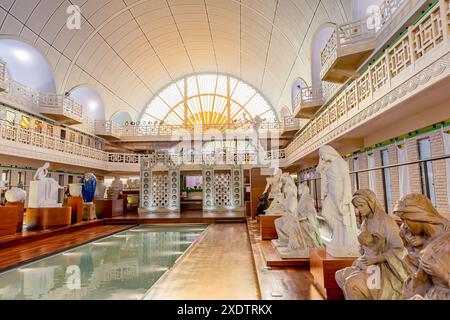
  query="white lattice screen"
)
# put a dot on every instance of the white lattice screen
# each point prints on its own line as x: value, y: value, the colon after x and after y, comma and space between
x: 160, y: 190
x: 222, y: 189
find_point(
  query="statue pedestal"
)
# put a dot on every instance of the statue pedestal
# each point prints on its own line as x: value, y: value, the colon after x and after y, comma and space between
x: 267, y: 225
x: 76, y: 203
x: 323, y: 267
x: 109, y: 208
x: 9, y: 220
x: 48, y: 217
x: 89, y: 212
x: 20, y: 207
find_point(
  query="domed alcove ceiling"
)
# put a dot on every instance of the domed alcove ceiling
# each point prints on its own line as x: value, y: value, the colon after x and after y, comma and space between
x: 130, y: 49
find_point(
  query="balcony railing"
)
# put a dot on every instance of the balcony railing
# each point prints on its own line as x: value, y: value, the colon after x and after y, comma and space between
x: 290, y: 124
x: 308, y: 101
x: 60, y: 108
x: 28, y: 137
x: 107, y: 129
x: 3, y: 76
x: 348, y: 35
x: 427, y: 35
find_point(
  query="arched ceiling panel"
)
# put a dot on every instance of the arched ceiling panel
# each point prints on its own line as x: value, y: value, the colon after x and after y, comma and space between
x: 130, y: 49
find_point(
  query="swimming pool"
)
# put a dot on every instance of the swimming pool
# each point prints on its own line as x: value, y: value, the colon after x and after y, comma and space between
x: 123, y: 266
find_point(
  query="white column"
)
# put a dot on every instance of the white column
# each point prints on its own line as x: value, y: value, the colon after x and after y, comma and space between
x: 403, y: 173
x: 372, y: 174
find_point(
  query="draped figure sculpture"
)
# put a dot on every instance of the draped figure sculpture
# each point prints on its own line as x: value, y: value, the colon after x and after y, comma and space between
x: 283, y: 224
x: 275, y: 185
x: 301, y: 232
x: 382, y: 253
x: 426, y: 236
x: 337, y: 209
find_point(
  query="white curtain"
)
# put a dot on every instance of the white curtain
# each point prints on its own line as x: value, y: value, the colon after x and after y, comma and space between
x: 403, y: 173
x: 447, y: 163
x: 372, y: 174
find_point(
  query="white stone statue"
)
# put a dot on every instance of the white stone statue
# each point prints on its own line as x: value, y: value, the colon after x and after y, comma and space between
x: 44, y: 191
x: 115, y: 189
x: 100, y: 190
x: 337, y: 208
x: 301, y: 231
x: 275, y: 185
x: 3, y: 185
x: 75, y: 189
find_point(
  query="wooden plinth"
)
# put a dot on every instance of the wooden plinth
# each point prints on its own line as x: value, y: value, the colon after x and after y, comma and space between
x: 109, y: 208
x: 273, y: 259
x: 267, y: 225
x: 48, y: 217
x: 8, y: 220
x: 20, y: 207
x: 76, y: 203
x: 89, y: 211
x: 257, y: 185
x: 323, y: 268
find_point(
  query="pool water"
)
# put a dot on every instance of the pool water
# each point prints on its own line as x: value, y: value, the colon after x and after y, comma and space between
x: 123, y: 266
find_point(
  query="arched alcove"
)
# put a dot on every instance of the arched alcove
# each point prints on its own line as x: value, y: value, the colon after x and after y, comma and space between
x: 27, y: 65
x: 318, y: 44
x: 121, y: 117
x: 93, y: 105
x: 298, y: 84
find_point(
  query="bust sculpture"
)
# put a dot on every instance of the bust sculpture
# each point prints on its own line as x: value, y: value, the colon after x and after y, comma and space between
x: 43, y: 190
x: 275, y: 184
x: 426, y: 236
x: 301, y: 233
x: 337, y: 209
x: 381, y: 248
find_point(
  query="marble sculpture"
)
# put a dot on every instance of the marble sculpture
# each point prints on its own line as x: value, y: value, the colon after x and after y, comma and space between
x: 275, y: 184
x: 299, y: 232
x: 337, y: 209
x: 380, y: 247
x: 44, y: 191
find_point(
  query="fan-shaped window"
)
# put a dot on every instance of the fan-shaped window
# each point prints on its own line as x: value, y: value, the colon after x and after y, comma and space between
x: 207, y: 99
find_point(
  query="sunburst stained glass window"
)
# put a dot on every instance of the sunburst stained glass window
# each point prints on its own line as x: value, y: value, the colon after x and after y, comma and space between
x: 207, y: 99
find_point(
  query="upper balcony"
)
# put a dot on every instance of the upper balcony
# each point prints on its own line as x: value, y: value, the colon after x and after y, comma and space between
x: 290, y: 126
x: 308, y: 101
x: 3, y: 76
x: 60, y: 108
x: 353, y: 43
x: 107, y: 130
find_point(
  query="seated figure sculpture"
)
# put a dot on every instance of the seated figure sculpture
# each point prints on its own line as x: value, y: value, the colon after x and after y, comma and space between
x: 43, y: 190
x: 382, y: 251
x: 284, y: 223
x: 275, y: 184
x: 337, y: 209
x: 116, y: 188
x: 301, y: 232
x: 426, y: 236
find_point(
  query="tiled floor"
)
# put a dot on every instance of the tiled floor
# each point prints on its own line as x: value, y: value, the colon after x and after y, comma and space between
x: 219, y: 266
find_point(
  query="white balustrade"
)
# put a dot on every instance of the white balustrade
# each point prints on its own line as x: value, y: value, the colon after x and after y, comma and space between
x: 357, y: 31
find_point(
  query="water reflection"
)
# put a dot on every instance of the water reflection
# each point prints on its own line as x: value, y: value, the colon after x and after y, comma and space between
x: 123, y: 266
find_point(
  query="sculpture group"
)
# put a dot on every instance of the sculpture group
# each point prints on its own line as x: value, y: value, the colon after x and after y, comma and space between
x: 407, y: 262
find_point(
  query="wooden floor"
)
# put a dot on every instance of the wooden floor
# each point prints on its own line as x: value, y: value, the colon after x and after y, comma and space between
x: 219, y: 266
x: 280, y: 283
x: 191, y: 216
x: 18, y: 254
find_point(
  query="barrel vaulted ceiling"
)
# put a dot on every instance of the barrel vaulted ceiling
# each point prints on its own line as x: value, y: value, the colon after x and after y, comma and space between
x: 131, y: 49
